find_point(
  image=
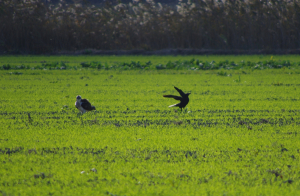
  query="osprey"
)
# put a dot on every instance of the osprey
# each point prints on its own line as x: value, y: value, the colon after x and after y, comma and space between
x: 184, y: 99
x: 83, y: 105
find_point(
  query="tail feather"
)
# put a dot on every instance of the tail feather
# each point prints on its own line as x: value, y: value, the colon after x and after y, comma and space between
x: 173, y: 105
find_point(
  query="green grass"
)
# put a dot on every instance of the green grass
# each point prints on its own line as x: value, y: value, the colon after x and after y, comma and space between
x: 239, y: 135
x: 111, y: 60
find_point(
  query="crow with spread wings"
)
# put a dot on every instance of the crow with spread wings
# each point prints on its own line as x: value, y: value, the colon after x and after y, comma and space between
x: 184, y: 99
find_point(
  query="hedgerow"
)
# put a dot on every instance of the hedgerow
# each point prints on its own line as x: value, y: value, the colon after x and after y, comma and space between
x: 174, y: 65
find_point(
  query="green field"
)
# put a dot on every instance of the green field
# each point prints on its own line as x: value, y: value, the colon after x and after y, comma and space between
x: 239, y: 135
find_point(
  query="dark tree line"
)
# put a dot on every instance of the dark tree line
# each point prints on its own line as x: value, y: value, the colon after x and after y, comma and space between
x: 38, y: 27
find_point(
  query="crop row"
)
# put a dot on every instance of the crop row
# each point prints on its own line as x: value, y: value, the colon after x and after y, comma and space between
x: 192, y: 64
x: 211, y: 118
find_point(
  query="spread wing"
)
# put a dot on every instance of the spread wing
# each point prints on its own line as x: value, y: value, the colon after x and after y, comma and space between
x: 173, y: 96
x: 180, y: 91
x: 86, y: 104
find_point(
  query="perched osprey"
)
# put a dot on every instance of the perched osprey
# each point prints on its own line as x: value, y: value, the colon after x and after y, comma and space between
x: 184, y: 99
x: 83, y: 105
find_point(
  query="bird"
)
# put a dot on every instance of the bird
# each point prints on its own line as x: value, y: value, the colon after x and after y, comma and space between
x: 184, y: 99
x: 83, y: 105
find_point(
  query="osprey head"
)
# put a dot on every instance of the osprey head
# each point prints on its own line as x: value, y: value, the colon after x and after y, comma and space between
x: 78, y: 97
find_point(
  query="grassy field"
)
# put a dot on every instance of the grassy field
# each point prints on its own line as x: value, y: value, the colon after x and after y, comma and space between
x: 239, y: 135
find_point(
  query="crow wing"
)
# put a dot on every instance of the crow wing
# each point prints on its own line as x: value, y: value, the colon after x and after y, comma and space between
x: 174, y: 97
x: 180, y: 91
x: 86, y: 104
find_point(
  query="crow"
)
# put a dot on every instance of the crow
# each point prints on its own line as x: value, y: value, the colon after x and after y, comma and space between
x: 184, y: 99
x: 83, y: 105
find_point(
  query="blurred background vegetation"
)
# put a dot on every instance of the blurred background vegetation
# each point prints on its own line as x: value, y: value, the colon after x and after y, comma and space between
x: 45, y: 26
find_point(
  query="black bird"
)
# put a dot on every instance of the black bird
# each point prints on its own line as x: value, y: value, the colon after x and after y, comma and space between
x: 184, y: 99
x: 83, y: 105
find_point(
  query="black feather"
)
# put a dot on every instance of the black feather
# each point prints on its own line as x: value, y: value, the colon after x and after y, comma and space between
x: 184, y: 99
x: 87, y: 105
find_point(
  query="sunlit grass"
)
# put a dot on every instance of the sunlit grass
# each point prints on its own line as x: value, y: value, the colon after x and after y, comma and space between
x: 237, y: 136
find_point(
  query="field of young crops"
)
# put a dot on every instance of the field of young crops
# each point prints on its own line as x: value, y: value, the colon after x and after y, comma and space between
x: 239, y: 134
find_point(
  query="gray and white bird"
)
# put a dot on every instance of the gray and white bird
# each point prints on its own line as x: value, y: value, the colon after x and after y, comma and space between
x: 83, y: 105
